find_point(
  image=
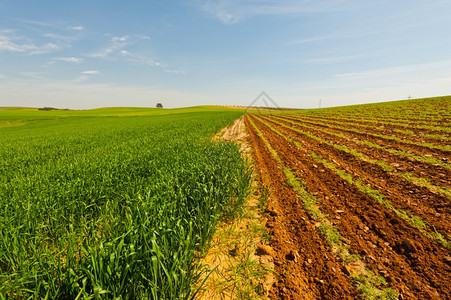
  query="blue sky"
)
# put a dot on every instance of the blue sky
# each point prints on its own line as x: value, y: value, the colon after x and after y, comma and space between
x: 99, y: 53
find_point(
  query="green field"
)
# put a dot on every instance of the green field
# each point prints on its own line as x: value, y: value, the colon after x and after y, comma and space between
x: 112, y: 203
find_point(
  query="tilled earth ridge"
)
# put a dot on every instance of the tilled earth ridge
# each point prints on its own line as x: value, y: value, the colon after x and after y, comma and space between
x: 386, y: 129
x: 418, y: 149
x: 412, y: 264
x: 311, y: 271
x: 438, y: 175
x: 431, y: 207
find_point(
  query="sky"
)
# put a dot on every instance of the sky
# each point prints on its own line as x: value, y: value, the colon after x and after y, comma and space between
x: 303, y: 54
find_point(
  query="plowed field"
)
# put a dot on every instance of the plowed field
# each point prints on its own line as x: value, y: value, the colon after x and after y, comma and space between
x: 360, y: 204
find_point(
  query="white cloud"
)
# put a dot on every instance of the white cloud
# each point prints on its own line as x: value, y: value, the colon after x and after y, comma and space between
x: 15, y: 44
x: 85, y: 76
x: 116, y: 39
x: 227, y: 18
x: 69, y: 59
x: 108, y: 51
x: 115, y: 51
x: 23, y: 45
x: 47, y: 48
x: 78, y: 28
x: 117, y: 44
x: 91, y: 72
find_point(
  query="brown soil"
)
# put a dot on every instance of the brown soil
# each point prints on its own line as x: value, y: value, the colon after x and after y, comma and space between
x: 432, y: 207
x: 411, y: 263
x: 369, y: 135
x: 437, y: 174
x: 388, y: 129
x: 304, y: 263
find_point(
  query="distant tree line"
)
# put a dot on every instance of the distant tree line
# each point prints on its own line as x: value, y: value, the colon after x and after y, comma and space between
x: 51, y: 108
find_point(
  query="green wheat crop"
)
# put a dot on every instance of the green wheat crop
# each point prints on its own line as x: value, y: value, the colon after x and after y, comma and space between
x: 112, y: 204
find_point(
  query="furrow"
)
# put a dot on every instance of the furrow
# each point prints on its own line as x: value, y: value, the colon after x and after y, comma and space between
x: 373, y: 231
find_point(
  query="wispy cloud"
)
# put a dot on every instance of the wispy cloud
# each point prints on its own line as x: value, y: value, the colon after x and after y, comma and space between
x: 78, y: 28
x: 332, y: 36
x: 115, y: 51
x: 46, y: 48
x: 69, y: 59
x: 149, y: 61
x: 64, y: 38
x: 36, y: 23
x: 20, y: 44
x: 116, y: 39
x: 91, y: 72
x: 29, y: 37
x: 117, y: 43
x: 85, y: 76
x: 332, y: 60
x: 15, y: 44
x: 33, y: 75
x: 233, y: 11
x: 144, y: 37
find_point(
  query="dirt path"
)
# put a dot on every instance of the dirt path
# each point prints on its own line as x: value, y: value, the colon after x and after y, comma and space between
x: 238, y: 263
